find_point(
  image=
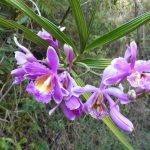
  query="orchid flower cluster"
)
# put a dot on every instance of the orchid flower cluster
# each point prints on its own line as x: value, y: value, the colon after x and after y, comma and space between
x: 48, y: 82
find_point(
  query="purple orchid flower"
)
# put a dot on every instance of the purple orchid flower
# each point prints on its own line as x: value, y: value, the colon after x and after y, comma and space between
x: 140, y: 77
x: 44, y: 81
x: 136, y: 72
x: 48, y: 37
x: 69, y: 54
x: 121, y: 121
x: 95, y: 105
x: 120, y: 67
x: 71, y: 104
x: 46, y: 85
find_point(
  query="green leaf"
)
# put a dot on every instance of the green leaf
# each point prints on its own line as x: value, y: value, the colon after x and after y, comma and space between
x: 80, y: 21
x: 120, y: 31
x: 46, y: 24
x: 107, y: 120
x: 28, y: 33
x: 96, y: 63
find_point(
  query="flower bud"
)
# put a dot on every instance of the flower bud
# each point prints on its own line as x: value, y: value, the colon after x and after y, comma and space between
x: 69, y: 54
x: 18, y: 72
x: 132, y: 94
x: 120, y: 120
x: 49, y: 38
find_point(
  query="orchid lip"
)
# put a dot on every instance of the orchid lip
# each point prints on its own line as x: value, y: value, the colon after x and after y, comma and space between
x: 44, y: 83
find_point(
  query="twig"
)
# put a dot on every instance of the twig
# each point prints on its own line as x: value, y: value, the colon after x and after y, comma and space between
x: 65, y: 16
x: 6, y: 92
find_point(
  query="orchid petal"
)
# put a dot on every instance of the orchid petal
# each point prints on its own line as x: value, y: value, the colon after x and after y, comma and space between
x: 18, y: 79
x: 120, y: 120
x: 120, y: 64
x: 109, y: 71
x: 88, y: 105
x: 18, y: 72
x: 58, y: 96
x: 127, y: 54
x: 20, y: 57
x: 115, y: 79
x: 52, y: 58
x: 36, y: 68
x: 77, y: 91
x: 133, y: 47
x: 21, y: 47
x: 48, y: 37
x: 118, y: 93
x: 40, y: 97
x: 134, y: 79
x: 68, y: 113
x: 142, y: 66
x: 73, y: 103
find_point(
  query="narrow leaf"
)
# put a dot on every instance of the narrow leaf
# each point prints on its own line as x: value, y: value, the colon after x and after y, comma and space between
x: 119, y: 32
x: 107, y: 120
x: 46, y: 24
x: 96, y: 63
x: 28, y: 33
x: 80, y: 21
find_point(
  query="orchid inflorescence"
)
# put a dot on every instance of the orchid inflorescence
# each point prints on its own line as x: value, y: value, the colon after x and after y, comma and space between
x: 48, y: 81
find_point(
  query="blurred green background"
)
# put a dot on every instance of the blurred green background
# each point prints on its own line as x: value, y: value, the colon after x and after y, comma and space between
x: 25, y: 124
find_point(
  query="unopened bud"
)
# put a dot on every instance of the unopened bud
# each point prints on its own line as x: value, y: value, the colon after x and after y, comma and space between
x: 120, y: 120
x: 68, y: 50
x: 132, y: 94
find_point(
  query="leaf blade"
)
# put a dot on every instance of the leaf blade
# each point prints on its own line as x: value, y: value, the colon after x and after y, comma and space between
x: 95, y: 63
x: 119, y: 32
x: 28, y: 33
x: 80, y: 21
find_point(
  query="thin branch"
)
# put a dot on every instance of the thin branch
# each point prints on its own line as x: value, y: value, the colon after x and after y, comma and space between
x: 65, y: 16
